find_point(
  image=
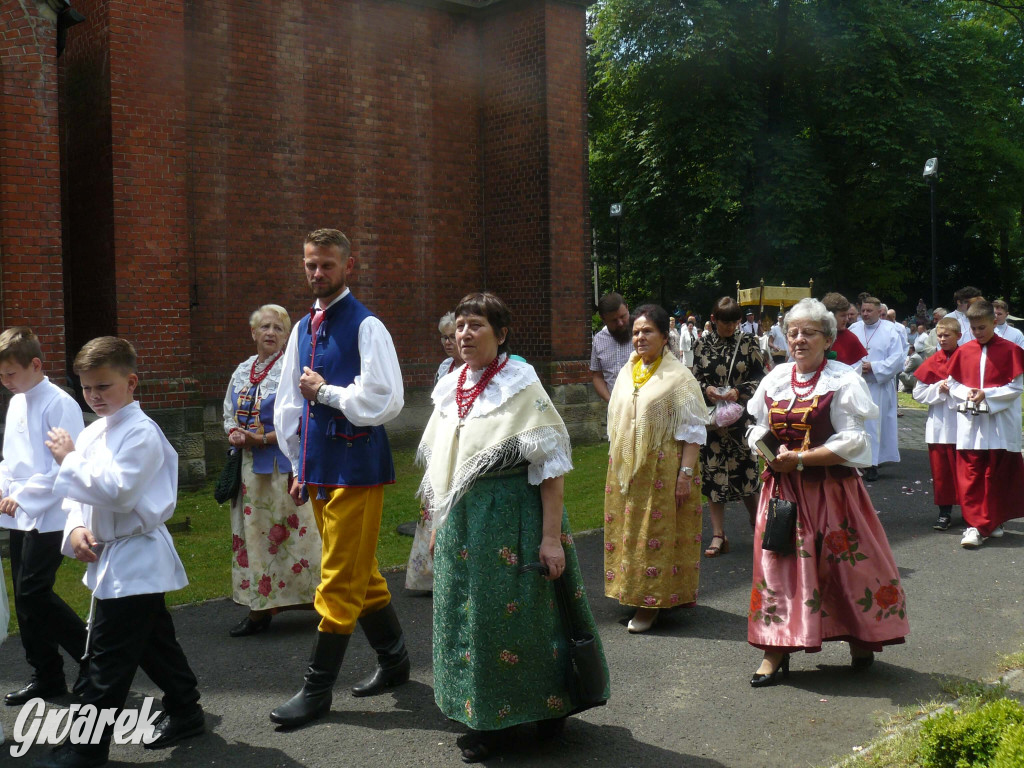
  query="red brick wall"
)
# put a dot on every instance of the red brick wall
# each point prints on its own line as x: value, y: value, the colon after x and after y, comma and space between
x: 31, y: 282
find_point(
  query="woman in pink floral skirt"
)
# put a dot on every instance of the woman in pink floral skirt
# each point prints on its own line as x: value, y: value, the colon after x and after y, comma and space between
x: 841, y: 582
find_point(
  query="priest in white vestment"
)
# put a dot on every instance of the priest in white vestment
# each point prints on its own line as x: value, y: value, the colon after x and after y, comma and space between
x: 886, y: 353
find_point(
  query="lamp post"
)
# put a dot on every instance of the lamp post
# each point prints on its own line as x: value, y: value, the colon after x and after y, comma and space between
x: 931, y: 175
x: 615, y: 211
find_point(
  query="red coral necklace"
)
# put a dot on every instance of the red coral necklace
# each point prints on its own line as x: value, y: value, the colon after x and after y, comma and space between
x: 464, y: 398
x: 256, y: 378
x: 806, y: 386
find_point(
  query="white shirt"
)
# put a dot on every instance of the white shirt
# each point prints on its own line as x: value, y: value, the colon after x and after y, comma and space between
x: 121, y: 482
x: 1010, y: 333
x: 850, y: 406
x: 777, y: 339
x: 886, y: 351
x: 965, y: 327
x: 28, y: 469
x: 376, y: 396
x: 940, y: 427
x: 1000, y: 429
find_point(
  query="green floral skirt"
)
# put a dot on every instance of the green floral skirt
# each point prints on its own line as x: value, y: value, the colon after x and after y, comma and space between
x: 500, y: 650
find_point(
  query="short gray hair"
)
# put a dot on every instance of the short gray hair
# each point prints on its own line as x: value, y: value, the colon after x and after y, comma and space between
x: 272, y: 309
x: 815, y: 311
x: 448, y: 319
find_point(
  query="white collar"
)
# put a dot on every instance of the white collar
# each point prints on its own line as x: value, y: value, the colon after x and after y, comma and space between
x: 339, y: 297
x: 834, y: 376
x: 513, y: 378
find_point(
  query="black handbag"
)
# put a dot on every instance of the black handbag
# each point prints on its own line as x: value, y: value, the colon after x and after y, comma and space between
x: 589, y: 677
x: 230, y: 480
x: 780, y: 526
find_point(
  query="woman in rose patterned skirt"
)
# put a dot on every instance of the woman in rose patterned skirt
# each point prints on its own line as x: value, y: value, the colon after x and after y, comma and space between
x: 275, y: 545
x: 841, y: 582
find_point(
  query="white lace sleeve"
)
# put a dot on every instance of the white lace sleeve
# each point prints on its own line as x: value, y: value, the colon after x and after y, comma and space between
x: 692, y: 433
x: 850, y: 406
x: 548, y: 451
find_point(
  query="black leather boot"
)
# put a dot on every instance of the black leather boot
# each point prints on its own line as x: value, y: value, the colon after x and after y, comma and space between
x: 385, y: 635
x: 314, y: 700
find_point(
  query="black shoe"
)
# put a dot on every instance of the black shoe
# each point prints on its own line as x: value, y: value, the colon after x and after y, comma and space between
x: 170, y: 729
x: 314, y: 700
x: 37, y: 689
x: 871, y: 474
x: 862, y: 662
x: 943, y: 523
x: 65, y: 757
x: 763, y: 680
x: 247, y: 626
x: 385, y: 635
x: 477, y: 746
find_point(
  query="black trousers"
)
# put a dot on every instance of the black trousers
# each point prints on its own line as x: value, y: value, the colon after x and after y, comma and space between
x: 130, y: 633
x: 47, y: 623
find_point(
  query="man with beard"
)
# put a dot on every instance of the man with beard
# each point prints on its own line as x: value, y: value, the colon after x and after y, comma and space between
x: 613, y: 344
x: 340, y: 383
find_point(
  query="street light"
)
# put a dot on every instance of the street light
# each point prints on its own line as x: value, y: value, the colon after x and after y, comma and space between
x: 63, y: 15
x: 615, y: 211
x: 931, y: 175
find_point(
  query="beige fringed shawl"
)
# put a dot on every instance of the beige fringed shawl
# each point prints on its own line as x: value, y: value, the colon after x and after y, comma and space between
x: 637, y: 426
x: 524, y: 427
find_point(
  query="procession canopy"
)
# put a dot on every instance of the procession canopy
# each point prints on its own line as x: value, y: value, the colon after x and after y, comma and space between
x: 780, y: 296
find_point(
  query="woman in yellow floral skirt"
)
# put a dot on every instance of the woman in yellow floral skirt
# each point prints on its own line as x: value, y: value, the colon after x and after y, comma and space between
x: 656, y: 420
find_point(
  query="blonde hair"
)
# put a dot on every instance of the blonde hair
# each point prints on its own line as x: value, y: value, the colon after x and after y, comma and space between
x: 949, y: 323
x: 275, y: 309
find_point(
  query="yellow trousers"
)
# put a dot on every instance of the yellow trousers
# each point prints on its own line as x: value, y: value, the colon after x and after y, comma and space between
x: 350, y: 582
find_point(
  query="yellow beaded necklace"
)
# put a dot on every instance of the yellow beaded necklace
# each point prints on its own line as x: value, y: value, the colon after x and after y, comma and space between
x: 642, y: 375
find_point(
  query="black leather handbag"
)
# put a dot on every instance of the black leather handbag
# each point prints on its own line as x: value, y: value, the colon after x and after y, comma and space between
x: 780, y: 527
x: 589, y: 677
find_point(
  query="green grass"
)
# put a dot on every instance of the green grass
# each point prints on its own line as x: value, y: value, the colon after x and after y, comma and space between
x: 906, y: 400
x: 205, y: 549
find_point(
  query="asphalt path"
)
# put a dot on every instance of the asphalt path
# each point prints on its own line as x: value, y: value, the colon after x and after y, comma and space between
x: 680, y: 693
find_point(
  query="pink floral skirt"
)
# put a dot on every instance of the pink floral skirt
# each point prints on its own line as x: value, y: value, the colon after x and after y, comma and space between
x: 840, y: 584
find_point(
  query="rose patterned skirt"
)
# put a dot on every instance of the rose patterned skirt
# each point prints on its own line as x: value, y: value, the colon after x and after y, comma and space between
x: 652, y: 548
x: 500, y: 651
x: 842, y: 582
x: 275, y: 545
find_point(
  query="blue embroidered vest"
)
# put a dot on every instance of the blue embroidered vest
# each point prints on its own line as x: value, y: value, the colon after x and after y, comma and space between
x: 334, y: 452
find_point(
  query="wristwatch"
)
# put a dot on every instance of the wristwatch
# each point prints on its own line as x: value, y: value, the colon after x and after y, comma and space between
x: 688, y: 471
x: 319, y: 390
x: 800, y: 462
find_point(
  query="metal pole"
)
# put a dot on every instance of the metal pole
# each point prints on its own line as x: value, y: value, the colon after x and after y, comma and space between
x: 935, y: 275
x: 618, y: 255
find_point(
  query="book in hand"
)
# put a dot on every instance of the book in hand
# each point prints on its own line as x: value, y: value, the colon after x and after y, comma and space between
x: 768, y: 445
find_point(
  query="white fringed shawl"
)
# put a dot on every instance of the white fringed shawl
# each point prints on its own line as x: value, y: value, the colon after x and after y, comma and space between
x: 512, y: 421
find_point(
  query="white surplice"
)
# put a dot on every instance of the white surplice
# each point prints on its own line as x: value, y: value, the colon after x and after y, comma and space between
x: 121, y: 482
x: 886, y: 353
x: 1010, y: 333
x: 940, y: 426
x: 28, y: 469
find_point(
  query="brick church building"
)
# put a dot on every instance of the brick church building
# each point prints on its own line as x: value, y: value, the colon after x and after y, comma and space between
x: 157, y: 179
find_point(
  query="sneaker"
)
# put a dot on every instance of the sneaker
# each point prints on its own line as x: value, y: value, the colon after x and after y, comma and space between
x: 997, y: 533
x: 971, y: 539
x: 943, y: 523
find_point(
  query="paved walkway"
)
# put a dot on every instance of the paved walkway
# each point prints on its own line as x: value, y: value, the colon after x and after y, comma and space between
x: 680, y: 693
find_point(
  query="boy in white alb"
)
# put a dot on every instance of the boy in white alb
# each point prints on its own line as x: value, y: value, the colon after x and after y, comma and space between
x: 932, y: 389
x: 33, y: 514
x: 121, y: 484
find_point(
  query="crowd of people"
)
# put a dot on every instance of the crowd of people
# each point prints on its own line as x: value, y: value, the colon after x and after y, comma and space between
x: 791, y: 418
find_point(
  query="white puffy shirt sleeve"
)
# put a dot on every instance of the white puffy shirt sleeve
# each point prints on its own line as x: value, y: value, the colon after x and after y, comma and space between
x: 851, y: 405
x: 757, y: 408
x: 288, y: 404
x: 377, y: 395
x: 546, y: 449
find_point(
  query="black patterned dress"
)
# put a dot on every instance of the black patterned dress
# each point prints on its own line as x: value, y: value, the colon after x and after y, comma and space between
x: 728, y: 470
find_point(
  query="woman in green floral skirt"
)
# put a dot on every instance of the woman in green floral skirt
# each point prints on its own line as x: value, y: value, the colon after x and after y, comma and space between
x: 495, y: 452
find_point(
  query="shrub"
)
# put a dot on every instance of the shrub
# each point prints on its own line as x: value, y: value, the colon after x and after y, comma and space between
x: 958, y: 740
x: 1011, y: 749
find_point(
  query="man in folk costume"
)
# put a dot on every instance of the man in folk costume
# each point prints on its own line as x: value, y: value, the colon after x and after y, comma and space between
x: 340, y: 383
x: 886, y: 353
x: 988, y: 378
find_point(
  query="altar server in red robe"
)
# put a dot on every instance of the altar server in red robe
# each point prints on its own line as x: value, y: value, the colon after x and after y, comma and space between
x: 988, y: 378
x: 932, y: 389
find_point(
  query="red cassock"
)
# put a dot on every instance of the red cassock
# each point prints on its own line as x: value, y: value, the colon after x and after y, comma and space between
x: 941, y: 456
x: 990, y: 482
x: 848, y: 348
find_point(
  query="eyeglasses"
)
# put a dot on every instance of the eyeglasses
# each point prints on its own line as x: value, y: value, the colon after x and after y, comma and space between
x: 448, y: 339
x: 807, y: 333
